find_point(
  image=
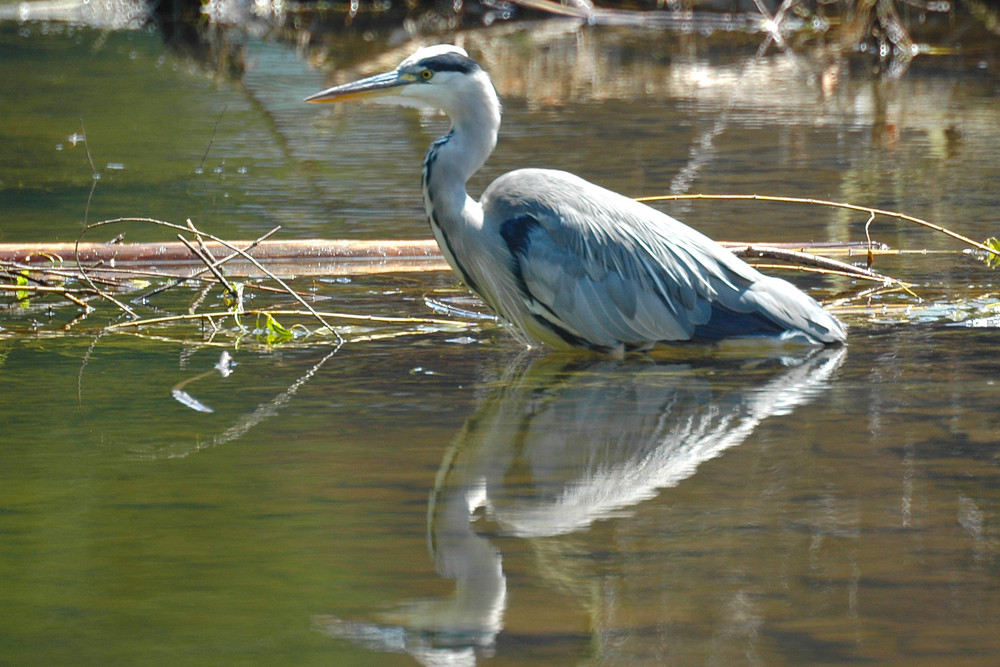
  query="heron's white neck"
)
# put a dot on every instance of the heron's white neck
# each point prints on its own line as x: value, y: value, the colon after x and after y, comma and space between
x: 455, y: 157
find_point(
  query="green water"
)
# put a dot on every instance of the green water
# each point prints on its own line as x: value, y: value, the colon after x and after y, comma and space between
x: 165, y: 137
x: 442, y: 496
x: 844, y: 509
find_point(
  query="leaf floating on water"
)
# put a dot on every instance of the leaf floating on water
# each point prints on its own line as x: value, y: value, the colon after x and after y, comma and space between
x: 276, y: 332
x: 992, y: 259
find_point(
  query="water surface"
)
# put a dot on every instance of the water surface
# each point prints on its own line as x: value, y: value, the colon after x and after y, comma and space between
x: 445, y: 496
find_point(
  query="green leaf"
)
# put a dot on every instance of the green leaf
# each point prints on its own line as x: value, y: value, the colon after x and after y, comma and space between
x: 276, y: 332
x: 23, y: 296
x: 992, y: 259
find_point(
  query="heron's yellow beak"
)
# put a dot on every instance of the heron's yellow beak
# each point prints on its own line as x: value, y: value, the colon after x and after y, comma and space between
x: 378, y: 85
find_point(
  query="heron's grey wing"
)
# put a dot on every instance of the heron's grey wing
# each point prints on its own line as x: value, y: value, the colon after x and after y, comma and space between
x: 595, y: 263
x: 604, y: 295
x: 607, y: 270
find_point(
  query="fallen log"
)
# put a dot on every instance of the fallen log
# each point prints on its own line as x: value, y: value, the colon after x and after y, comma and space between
x: 348, y: 257
x: 302, y: 257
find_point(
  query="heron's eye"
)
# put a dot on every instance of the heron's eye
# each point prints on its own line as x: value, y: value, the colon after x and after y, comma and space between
x: 426, y: 74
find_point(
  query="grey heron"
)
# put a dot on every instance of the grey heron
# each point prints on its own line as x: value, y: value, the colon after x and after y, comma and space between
x: 567, y: 262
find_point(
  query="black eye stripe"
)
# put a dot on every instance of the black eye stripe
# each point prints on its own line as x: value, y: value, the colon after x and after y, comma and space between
x: 450, y: 62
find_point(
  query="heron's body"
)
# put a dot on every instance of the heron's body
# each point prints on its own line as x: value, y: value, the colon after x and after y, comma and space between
x: 570, y: 263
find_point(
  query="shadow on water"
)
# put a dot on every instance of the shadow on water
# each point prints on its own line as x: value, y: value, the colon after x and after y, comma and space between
x: 556, y: 446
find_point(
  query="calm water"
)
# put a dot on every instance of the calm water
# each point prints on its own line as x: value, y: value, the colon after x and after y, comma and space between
x: 446, y: 497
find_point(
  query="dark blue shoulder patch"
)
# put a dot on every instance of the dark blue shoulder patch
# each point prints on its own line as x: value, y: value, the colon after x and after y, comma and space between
x: 516, y: 233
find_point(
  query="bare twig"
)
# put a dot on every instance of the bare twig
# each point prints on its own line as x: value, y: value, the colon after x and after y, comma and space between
x: 808, y: 259
x: 225, y: 243
x: 95, y: 175
x: 868, y: 237
x: 820, y: 202
x: 86, y: 148
x: 100, y: 292
x: 196, y: 274
x: 264, y: 313
x: 211, y: 139
x: 48, y: 274
x: 48, y: 289
x: 205, y: 256
x: 281, y: 282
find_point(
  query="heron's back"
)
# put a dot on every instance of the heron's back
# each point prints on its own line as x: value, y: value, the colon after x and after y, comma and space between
x: 594, y: 268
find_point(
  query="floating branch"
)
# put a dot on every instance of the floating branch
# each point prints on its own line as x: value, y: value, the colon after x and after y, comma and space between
x: 310, y: 256
x: 323, y: 257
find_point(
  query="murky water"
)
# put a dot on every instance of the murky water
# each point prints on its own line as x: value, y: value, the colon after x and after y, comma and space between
x: 446, y: 497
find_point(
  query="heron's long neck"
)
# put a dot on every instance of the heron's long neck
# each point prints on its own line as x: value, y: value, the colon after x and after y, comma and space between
x: 452, y: 160
x: 454, y: 216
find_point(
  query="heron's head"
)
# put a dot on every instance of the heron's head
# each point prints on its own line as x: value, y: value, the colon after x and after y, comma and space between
x: 442, y: 76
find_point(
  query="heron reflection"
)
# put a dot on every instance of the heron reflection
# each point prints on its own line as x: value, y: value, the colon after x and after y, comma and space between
x: 556, y: 446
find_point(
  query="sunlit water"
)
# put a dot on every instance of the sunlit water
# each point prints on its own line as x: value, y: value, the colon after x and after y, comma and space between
x: 446, y: 497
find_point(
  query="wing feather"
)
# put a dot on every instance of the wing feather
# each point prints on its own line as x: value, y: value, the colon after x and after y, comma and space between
x: 614, y: 272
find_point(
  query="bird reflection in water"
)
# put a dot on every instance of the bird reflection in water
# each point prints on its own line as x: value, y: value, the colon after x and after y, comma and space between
x: 558, y: 445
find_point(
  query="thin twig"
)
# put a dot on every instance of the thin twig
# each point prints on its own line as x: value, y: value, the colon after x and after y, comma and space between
x: 211, y: 139
x: 86, y: 148
x: 48, y: 289
x: 225, y: 243
x: 868, y: 236
x: 808, y: 259
x: 95, y: 175
x: 14, y: 269
x: 197, y: 274
x: 295, y: 295
x: 84, y: 314
x: 821, y: 202
x: 867, y: 294
x: 253, y: 313
x: 813, y: 269
x: 209, y: 262
x: 100, y: 292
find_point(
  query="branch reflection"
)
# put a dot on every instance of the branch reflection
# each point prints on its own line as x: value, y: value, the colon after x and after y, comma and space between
x: 556, y: 446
